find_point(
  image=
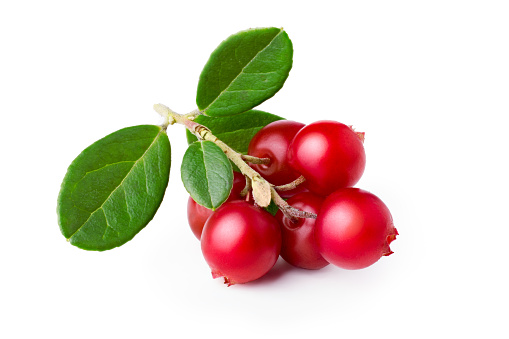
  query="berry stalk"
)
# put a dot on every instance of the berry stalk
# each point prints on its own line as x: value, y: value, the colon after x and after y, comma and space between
x: 263, y: 191
x: 290, y: 186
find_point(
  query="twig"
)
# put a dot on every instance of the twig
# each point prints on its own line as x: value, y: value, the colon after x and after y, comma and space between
x: 292, y: 185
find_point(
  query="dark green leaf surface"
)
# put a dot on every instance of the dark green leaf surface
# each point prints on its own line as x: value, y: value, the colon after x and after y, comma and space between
x: 236, y: 130
x: 245, y: 70
x: 114, y: 187
x: 207, y: 174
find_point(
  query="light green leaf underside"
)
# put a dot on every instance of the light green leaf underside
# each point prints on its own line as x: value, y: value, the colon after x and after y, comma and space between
x: 207, y: 174
x: 114, y: 187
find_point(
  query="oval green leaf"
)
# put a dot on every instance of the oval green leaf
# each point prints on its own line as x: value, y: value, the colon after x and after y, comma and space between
x: 236, y: 130
x: 114, y: 187
x: 207, y: 174
x: 245, y: 70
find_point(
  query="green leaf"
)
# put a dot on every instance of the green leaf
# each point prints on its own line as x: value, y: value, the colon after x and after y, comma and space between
x: 114, y: 187
x: 236, y: 130
x: 272, y: 208
x: 207, y: 174
x: 245, y: 70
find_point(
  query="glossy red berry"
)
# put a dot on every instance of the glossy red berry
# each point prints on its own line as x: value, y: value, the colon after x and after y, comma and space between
x: 354, y: 229
x: 298, y: 240
x: 240, y: 242
x: 272, y: 142
x: 197, y: 214
x: 329, y: 154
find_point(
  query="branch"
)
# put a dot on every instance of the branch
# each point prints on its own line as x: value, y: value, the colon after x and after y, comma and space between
x: 263, y: 191
x: 292, y: 185
x: 255, y: 160
x: 246, y: 188
x: 289, y: 211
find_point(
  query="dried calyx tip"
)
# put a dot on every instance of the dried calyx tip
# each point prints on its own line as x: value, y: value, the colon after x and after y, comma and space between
x: 389, y: 239
x: 361, y: 135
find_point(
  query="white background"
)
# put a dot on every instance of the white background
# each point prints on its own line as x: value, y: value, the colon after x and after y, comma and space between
x: 428, y: 82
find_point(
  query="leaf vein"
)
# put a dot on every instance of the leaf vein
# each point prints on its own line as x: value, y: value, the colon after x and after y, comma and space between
x: 100, y: 168
x: 206, y: 173
x: 107, y: 225
x: 127, y: 206
x: 146, y: 187
x: 250, y: 90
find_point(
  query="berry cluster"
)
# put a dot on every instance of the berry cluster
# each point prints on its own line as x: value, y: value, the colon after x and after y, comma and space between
x: 353, y: 229
x: 292, y: 196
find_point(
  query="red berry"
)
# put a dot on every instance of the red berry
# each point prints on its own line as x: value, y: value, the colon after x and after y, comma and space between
x: 240, y: 242
x: 299, y: 246
x: 354, y: 229
x: 197, y: 214
x: 329, y: 154
x: 272, y: 142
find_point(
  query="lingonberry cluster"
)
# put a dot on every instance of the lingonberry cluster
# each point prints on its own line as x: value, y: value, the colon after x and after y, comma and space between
x: 113, y: 189
x: 353, y: 229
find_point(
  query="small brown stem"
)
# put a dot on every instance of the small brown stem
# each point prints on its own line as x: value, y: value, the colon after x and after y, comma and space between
x: 289, y: 211
x: 292, y: 185
x: 246, y: 189
x: 255, y: 160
